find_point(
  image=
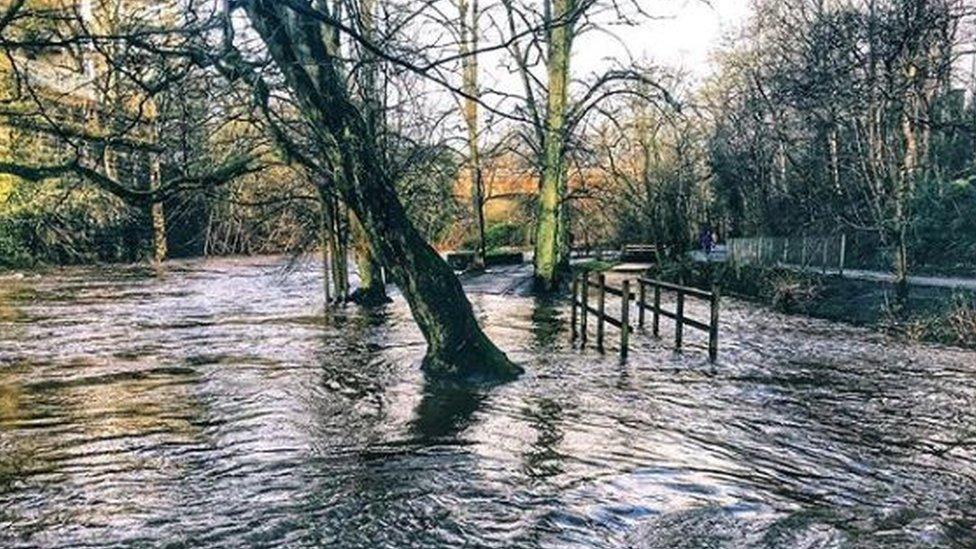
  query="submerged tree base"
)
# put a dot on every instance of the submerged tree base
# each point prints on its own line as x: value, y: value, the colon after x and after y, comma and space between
x: 373, y: 296
x: 476, y: 360
x: 546, y: 286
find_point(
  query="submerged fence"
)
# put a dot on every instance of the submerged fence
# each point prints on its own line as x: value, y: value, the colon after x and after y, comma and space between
x: 582, y: 310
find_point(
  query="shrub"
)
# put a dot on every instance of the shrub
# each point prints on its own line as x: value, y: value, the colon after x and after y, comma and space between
x: 954, y: 324
x: 499, y: 235
x: 13, y: 252
x: 957, y: 323
x: 47, y: 224
x: 502, y: 235
x: 790, y: 292
x: 592, y: 266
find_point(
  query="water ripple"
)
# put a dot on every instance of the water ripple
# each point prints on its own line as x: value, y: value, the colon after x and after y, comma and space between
x: 216, y: 406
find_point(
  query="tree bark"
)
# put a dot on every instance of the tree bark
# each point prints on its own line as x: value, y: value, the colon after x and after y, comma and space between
x: 468, y: 13
x: 551, y: 223
x: 372, y: 287
x: 324, y: 230
x: 338, y: 247
x: 310, y: 64
x: 156, y: 213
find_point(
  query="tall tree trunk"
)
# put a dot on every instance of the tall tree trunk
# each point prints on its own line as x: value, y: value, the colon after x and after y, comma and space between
x: 372, y: 287
x: 156, y: 213
x: 334, y: 246
x: 310, y: 64
x: 325, y: 228
x: 339, y: 249
x: 551, y: 222
x: 468, y: 12
x: 372, y: 290
x: 905, y: 186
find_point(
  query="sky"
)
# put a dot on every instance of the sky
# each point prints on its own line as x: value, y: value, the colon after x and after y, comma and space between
x: 682, y: 34
x: 678, y: 33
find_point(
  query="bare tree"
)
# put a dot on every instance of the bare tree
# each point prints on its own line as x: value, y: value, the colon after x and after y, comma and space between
x: 298, y: 76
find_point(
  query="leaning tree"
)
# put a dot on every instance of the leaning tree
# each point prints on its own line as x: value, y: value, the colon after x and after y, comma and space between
x: 296, y: 58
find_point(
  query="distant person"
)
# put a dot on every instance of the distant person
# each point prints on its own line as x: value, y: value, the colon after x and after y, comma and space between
x: 705, y: 240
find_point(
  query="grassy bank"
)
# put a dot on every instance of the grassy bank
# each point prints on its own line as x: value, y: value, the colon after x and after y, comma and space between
x: 931, y: 314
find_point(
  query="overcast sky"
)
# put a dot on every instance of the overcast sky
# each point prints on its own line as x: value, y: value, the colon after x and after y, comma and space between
x: 683, y: 34
x: 680, y: 33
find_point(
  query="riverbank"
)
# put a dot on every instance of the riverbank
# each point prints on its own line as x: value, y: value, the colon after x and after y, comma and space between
x: 933, y: 314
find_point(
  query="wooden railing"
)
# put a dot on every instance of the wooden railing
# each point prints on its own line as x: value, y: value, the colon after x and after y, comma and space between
x: 581, y: 311
x: 638, y: 252
x: 678, y: 315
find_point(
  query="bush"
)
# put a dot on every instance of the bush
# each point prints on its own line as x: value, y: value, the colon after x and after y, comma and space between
x: 954, y: 324
x: 499, y: 235
x: 960, y: 323
x: 944, y: 233
x: 791, y: 293
x: 13, y: 252
x: 592, y: 266
x: 48, y: 225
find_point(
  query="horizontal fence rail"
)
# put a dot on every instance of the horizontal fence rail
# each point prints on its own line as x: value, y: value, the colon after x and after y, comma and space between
x: 582, y: 310
x: 678, y: 315
x: 639, y: 252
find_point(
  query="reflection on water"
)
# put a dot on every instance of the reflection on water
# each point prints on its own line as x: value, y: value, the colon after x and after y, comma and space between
x: 216, y: 405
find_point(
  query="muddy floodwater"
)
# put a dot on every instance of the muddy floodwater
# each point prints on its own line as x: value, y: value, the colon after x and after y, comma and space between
x: 218, y: 406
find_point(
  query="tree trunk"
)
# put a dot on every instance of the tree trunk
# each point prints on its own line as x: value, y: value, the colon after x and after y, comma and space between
x: 334, y: 247
x: 372, y: 289
x: 310, y: 64
x: 469, y: 63
x: 156, y: 214
x: 903, y: 196
x: 324, y: 231
x: 907, y: 183
x: 339, y: 248
x: 551, y: 222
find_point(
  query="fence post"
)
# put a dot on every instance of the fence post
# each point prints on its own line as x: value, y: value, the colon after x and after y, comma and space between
x: 843, y: 253
x: 713, y: 326
x: 601, y: 302
x: 625, y: 321
x: 786, y: 250
x: 584, y: 309
x: 641, y: 302
x: 574, y: 315
x: 679, y: 321
x: 657, y: 311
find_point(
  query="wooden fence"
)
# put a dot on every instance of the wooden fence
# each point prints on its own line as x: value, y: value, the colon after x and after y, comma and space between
x: 581, y: 311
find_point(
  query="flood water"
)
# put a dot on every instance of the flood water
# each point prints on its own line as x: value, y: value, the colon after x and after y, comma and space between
x: 218, y: 406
